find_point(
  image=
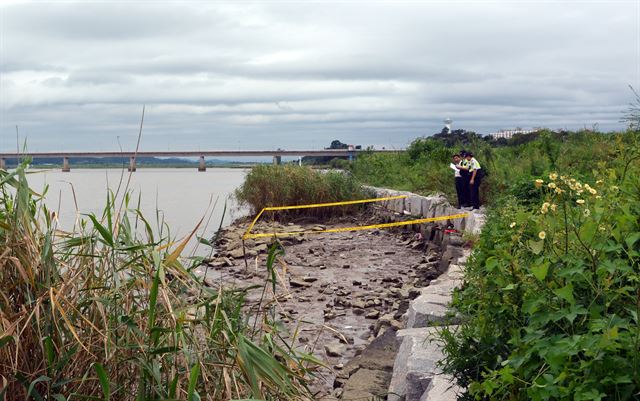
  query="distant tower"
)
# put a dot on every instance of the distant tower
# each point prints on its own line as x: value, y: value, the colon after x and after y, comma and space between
x: 447, y: 124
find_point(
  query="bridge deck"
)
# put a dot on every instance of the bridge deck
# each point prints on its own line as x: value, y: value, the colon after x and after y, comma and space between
x: 198, y: 153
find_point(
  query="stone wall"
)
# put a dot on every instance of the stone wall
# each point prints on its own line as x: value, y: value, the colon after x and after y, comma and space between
x: 416, y: 376
x: 430, y: 206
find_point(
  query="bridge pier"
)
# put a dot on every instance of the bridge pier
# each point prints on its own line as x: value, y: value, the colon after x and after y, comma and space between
x: 277, y: 160
x: 3, y: 164
x: 65, y: 165
x: 202, y: 166
x: 132, y: 164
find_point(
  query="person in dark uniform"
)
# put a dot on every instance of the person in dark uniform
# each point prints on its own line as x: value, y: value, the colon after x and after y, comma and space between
x: 475, y: 179
x: 463, y: 167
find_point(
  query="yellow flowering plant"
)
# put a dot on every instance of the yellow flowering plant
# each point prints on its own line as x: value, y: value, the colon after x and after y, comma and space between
x: 550, y: 309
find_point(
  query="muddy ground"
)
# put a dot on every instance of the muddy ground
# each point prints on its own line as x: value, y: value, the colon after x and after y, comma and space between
x: 342, y: 290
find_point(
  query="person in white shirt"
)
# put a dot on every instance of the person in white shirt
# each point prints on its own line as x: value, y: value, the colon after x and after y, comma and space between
x: 461, y: 189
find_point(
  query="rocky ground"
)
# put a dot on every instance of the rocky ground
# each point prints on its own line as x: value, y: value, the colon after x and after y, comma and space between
x: 340, y: 290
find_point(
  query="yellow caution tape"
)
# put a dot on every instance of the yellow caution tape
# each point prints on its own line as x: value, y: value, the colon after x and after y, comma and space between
x: 248, y: 234
x: 358, y: 228
x: 253, y: 223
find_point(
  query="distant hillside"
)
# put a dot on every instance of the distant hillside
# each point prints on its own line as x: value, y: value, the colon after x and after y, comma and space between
x: 124, y: 161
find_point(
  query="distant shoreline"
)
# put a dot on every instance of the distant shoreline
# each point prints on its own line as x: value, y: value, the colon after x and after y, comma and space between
x: 153, y: 166
x: 138, y: 166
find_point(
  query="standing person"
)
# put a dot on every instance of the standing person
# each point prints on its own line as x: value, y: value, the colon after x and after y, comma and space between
x: 463, y: 167
x: 475, y: 179
x: 461, y: 186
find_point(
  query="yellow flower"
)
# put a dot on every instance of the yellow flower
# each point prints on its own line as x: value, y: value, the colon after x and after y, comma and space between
x: 539, y: 183
x: 542, y: 235
x: 559, y: 191
x: 586, y: 212
x: 579, y: 192
x: 598, y: 197
x: 552, y: 185
x: 599, y: 182
x: 545, y: 208
x: 553, y: 176
x: 578, y: 185
x: 593, y: 191
x: 614, y: 188
x: 513, y: 224
x: 553, y: 207
x: 580, y: 201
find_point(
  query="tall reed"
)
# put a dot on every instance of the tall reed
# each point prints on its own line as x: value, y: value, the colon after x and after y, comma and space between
x: 112, y: 314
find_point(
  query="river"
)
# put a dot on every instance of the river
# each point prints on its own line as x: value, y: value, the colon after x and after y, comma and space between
x: 181, y: 195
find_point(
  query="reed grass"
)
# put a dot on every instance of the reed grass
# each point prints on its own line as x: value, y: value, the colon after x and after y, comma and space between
x: 112, y: 312
x: 289, y: 185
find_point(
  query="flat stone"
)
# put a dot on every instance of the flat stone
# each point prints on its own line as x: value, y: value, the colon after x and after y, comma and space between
x: 366, y: 384
x: 358, y: 304
x: 235, y: 253
x: 334, y: 349
x: 261, y: 248
x: 294, y: 282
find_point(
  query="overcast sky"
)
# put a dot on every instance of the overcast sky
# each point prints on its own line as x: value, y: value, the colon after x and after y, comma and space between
x: 294, y: 75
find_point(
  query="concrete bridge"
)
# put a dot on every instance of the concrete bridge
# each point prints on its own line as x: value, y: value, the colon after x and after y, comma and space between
x: 276, y: 154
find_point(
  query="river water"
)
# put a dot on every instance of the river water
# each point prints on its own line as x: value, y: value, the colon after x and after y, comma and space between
x: 181, y: 195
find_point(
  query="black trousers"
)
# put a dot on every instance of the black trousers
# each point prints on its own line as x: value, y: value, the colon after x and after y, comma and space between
x: 462, y: 189
x: 474, y: 190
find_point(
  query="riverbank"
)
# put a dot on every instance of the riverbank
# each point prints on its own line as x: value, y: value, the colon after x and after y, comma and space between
x: 339, y: 292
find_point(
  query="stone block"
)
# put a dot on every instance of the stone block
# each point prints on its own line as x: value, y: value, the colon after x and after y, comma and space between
x: 426, y: 207
x: 428, y: 310
x: 475, y: 222
x: 441, y: 388
x: 455, y: 272
x: 397, y: 205
x: 442, y: 286
x: 415, y: 205
x: 459, y: 224
x: 415, y: 365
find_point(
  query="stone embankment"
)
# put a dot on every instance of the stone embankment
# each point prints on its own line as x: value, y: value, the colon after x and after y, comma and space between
x: 416, y: 376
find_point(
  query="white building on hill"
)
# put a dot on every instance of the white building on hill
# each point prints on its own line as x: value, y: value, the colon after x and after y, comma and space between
x: 508, y: 133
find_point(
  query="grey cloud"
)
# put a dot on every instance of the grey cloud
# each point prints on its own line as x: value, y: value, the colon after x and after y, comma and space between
x: 284, y: 74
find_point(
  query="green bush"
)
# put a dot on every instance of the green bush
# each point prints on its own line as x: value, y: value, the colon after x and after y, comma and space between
x: 288, y: 185
x: 423, y: 168
x: 550, y: 304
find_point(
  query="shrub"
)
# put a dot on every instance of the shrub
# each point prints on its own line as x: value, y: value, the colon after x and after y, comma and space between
x: 287, y: 185
x: 550, y: 303
x: 109, y: 313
